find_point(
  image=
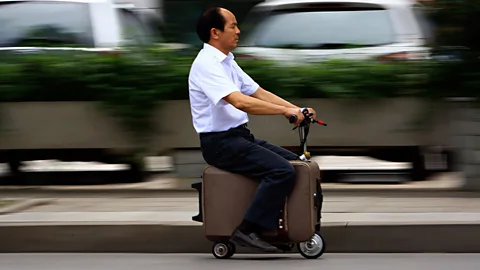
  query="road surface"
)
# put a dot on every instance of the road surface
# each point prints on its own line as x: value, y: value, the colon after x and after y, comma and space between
x: 239, y: 261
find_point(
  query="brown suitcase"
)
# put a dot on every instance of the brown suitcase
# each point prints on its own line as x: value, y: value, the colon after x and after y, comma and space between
x: 224, y: 198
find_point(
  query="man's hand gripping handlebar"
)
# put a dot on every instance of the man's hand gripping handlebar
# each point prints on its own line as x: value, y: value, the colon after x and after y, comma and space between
x: 304, y: 128
x: 308, y: 119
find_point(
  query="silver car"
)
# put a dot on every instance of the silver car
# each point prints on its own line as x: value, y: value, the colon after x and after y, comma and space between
x: 299, y: 31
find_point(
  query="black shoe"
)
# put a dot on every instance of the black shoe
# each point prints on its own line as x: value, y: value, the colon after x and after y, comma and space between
x: 251, y: 240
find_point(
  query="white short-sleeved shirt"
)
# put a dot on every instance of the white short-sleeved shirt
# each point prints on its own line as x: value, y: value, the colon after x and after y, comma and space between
x: 213, y: 76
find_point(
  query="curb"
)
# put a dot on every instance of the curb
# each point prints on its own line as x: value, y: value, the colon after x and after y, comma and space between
x: 18, y: 207
x: 78, y: 192
x: 178, y: 238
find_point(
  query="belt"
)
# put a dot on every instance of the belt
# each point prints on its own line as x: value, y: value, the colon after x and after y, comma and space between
x: 220, y: 132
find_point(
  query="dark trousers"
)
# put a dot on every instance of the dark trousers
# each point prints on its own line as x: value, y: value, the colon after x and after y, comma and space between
x: 238, y: 151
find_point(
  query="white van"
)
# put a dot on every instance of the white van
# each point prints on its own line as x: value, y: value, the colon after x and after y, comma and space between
x: 317, y: 30
x: 74, y: 24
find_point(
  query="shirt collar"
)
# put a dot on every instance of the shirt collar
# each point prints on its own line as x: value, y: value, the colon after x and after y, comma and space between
x: 217, y: 53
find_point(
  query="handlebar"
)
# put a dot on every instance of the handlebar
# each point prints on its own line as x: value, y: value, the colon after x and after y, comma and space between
x: 304, y: 128
x: 308, y: 118
x: 293, y: 119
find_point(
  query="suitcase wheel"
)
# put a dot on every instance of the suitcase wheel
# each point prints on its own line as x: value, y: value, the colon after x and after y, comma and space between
x: 223, y: 250
x: 313, y: 248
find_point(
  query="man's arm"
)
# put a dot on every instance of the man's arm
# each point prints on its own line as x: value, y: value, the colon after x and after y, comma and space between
x: 215, y: 84
x: 252, y: 89
x: 252, y: 105
x: 256, y: 106
x: 267, y: 96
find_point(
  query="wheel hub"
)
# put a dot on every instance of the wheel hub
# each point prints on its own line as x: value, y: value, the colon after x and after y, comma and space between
x: 221, y: 250
x: 313, y: 246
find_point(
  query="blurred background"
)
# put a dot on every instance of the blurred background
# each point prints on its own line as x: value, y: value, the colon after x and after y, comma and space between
x: 95, y: 92
x: 96, y: 128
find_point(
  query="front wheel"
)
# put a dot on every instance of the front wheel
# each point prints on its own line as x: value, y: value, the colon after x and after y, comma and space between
x: 313, y: 248
x: 222, y: 250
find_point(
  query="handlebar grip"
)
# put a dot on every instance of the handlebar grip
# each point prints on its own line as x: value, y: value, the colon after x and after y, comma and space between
x: 321, y: 122
x: 293, y: 119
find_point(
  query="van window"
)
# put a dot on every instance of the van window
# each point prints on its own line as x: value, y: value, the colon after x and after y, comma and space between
x: 426, y: 25
x: 133, y: 30
x: 319, y: 29
x: 47, y: 24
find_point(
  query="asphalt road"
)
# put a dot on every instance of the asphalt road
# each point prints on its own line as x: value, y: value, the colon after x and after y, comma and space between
x: 239, y: 261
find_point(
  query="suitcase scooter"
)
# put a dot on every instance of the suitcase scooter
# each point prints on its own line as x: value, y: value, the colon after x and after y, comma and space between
x: 224, y: 197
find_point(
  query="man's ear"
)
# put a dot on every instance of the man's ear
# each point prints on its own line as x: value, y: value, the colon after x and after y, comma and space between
x: 214, y: 33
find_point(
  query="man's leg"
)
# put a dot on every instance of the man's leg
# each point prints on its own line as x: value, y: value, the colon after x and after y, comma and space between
x: 287, y: 154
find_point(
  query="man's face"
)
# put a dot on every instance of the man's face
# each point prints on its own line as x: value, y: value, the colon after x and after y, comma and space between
x: 230, y: 35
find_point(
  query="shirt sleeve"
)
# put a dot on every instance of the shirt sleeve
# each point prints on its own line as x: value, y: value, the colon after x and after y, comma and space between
x: 213, y: 81
x: 249, y: 86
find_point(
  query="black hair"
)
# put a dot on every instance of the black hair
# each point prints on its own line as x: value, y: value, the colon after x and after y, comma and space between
x: 210, y: 18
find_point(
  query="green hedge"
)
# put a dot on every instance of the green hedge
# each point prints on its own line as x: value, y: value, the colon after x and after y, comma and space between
x: 132, y: 83
x: 153, y: 74
x: 129, y: 84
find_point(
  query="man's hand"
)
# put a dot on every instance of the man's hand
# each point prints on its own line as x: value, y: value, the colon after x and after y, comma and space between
x: 295, y: 111
x: 310, y: 110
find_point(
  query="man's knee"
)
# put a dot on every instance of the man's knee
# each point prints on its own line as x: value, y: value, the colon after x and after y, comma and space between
x: 288, y: 174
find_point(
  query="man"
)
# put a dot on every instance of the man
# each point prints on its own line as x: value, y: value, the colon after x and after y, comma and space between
x: 221, y: 95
